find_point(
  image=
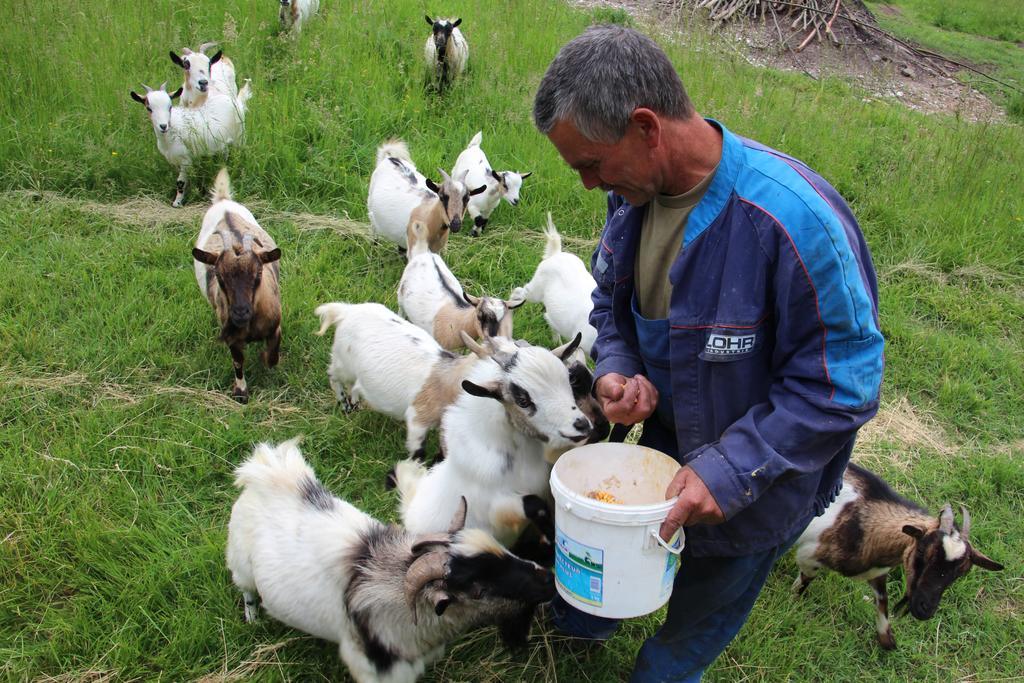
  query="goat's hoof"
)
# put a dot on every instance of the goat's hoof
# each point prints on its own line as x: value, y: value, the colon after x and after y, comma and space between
x: 269, y: 359
x: 349, y: 406
x: 887, y: 641
x: 390, y: 480
x: 474, y: 233
x: 241, y: 395
x: 176, y: 203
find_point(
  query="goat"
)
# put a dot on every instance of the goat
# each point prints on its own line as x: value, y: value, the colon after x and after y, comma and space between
x: 564, y: 285
x: 399, y: 195
x: 294, y: 13
x: 478, y: 170
x: 184, y: 134
x: 869, y: 529
x: 395, y: 367
x: 431, y: 298
x: 390, y: 598
x: 516, y: 405
x: 203, y: 74
x: 446, y: 51
x: 236, y: 265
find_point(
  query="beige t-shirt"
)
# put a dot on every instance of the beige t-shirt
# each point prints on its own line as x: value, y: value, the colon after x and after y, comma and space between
x: 661, y: 237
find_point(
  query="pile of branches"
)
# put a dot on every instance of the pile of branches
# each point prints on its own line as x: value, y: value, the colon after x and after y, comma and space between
x: 811, y: 17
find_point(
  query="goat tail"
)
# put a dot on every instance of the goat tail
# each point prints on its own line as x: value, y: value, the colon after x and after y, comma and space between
x: 393, y: 148
x: 408, y: 474
x: 242, y: 99
x: 477, y: 139
x: 275, y: 469
x: 221, y: 187
x: 554, y: 240
x: 330, y: 314
x: 417, y: 238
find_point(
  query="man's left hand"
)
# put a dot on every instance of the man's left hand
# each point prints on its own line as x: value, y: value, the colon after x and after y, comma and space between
x: 696, y: 505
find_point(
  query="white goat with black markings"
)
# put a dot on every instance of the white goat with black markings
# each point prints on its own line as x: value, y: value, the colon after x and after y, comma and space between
x: 431, y: 298
x: 516, y: 406
x: 564, y: 285
x: 294, y: 13
x: 390, y: 598
x: 869, y: 529
x: 446, y: 51
x: 400, y: 195
x: 500, y: 184
x: 203, y: 74
x: 185, y: 134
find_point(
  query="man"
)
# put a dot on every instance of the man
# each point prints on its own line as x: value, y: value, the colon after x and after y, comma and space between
x: 736, y: 310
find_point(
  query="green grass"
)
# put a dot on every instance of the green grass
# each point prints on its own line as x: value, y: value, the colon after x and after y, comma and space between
x: 986, y: 33
x: 117, y: 435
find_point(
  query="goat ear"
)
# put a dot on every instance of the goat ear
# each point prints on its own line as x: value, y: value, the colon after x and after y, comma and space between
x: 913, y: 531
x: 470, y: 299
x: 441, y: 602
x: 270, y: 256
x: 216, y: 58
x: 138, y: 98
x: 434, y: 187
x: 488, y: 391
x: 204, y: 256
x: 474, y: 192
x: 457, y: 22
x: 565, y: 351
x: 526, y: 175
x: 177, y: 93
x: 495, y: 175
x: 430, y: 21
x: 979, y: 560
x: 176, y: 59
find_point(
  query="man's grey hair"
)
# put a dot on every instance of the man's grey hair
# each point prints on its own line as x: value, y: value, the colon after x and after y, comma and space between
x: 598, y: 79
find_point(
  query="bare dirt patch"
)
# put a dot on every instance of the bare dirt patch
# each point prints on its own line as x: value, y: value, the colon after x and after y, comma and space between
x: 883, y: 68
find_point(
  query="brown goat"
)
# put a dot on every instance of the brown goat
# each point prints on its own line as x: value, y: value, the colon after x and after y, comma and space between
x: 244, y: 293
x: 869, y: 529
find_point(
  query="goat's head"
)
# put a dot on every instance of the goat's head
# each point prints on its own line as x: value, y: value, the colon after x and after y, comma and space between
x: 581, y: 379
x: 469, y: 568
x: 509, y: 184
x: 454, y: 197
x: 238, y: 269
x: 158, y: 103
x: 197, y: 67
x: 493, y: 315
x: 442, y: 29
x: 936, y: 559
x: 533, y: 385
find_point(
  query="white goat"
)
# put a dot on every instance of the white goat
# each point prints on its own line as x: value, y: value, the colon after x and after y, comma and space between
x: 446, y: 51
x: 294, y: 13
x: 564, y: 285
x: 203, y: 74
x: 494, y: 439
x: 395, y: 367
x: 478, y: 170
x: 431, y: 297
x: 399, y: 195
x: 389, y: 598
x: 184, y: 134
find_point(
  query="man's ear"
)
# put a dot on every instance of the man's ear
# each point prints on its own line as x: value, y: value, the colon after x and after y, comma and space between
x: 648, y: 124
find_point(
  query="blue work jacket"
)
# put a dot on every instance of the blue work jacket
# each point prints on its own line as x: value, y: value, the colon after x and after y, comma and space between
x: 775, y: 348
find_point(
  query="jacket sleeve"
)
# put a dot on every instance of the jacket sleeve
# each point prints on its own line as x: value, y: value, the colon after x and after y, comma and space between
x: 610, y: 352
x: 827, y: 370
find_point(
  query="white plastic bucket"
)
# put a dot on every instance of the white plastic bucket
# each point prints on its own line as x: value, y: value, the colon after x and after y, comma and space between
x: 609, y: 559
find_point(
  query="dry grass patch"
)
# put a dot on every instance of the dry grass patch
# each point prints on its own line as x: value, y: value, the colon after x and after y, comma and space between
x: 899, y: 423
x: 262, y: 657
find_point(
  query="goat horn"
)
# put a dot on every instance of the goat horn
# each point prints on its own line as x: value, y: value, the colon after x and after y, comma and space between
x: 946, y: 519
x: 458, y: 522
x: 206, y: 46
x: 426, y: 568
x: 163, y: 86
x: 473, y: 346
x: 186, y: 51
x: 227, y: 241
x: 247, y: 243
x: 428, y: 542
x: 148, y: 89
x: 444, y: 176
x: 965, y: 523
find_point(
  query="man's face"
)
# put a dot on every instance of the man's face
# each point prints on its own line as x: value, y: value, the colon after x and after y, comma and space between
x: 623, y: 167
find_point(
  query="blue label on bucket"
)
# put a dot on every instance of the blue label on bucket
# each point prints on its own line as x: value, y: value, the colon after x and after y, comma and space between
x: 579, y: 569
x: 671, y: 567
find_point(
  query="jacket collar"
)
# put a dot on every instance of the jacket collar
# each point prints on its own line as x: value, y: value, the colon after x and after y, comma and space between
x: 721, y: 188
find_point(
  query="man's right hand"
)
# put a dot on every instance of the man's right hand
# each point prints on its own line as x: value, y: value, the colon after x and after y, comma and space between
x: 626, y: 401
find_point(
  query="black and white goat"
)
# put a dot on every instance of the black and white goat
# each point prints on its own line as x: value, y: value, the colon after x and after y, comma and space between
x: 869, y: 529
x: 446, y: 51
x: 391, y: 599
x: 203, y: 74
x: 507, y: 184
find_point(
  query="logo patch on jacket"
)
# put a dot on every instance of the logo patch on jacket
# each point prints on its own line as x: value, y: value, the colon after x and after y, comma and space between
x: 724, y: 347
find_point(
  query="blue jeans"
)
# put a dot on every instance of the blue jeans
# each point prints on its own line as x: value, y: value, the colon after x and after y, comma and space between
x: 711, y: 599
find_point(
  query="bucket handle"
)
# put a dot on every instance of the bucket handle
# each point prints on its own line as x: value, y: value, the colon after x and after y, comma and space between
x: 672, y: 548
